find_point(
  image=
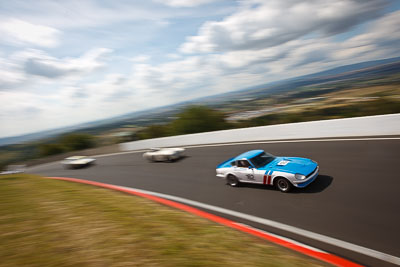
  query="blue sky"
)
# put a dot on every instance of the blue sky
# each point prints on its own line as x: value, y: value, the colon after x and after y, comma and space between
x: 68, y: 62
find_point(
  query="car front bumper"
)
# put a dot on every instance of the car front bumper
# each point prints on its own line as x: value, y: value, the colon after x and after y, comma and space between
x: 308, y: 180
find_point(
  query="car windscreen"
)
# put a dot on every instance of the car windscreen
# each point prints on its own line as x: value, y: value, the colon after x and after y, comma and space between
x: 262, y: 159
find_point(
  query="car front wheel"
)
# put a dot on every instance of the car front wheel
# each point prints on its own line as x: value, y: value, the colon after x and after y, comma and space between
x: 283, y: 185
x: 232, y: 180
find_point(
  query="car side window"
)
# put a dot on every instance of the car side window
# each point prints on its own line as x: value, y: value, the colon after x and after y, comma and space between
x: 243, y: 163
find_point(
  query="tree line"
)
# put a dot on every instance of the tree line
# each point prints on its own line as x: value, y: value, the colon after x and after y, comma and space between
x: 193, y: 119
x: 66, y: 143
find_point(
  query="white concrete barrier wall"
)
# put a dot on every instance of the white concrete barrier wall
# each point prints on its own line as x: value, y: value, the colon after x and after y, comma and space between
x: 351, y: 127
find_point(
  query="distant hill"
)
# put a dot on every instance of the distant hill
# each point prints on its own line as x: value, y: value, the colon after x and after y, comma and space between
x: 365, y: 70
x: 368, y: 70
x: 353, y: 67
x: 87, y: 126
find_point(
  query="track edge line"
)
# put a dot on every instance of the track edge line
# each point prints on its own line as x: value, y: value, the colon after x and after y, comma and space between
x: 284, y: 242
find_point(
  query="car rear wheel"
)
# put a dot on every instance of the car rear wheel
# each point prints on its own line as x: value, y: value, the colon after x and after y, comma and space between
x: 232, y: 180
x: 283, y: 185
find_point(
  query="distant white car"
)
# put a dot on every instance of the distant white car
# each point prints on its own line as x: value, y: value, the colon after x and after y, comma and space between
x: 164, y: 154
x: 13, y: 169
x: 75, y: 162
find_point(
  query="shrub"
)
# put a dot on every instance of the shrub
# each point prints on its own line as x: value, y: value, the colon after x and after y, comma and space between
x: 77, y: 141
x: 50, y: 149
x: 196, y: 119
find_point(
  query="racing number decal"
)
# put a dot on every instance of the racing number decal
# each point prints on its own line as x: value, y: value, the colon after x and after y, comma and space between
x: 250, y: 176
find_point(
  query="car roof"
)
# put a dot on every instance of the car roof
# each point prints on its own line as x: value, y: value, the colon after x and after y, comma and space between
x: 249, y: 154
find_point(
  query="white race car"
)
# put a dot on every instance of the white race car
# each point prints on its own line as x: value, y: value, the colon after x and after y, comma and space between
x: 13, y: 169
x: 75, y: 162
x: 164, y: 154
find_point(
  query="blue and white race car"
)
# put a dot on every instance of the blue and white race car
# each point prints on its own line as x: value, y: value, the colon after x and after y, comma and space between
x: 259, y: 167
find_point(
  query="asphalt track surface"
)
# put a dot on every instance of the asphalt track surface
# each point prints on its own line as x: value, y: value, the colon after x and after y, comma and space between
x: 355, y: 198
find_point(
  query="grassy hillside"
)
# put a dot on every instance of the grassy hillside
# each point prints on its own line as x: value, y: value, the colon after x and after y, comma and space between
x: 47, y: 222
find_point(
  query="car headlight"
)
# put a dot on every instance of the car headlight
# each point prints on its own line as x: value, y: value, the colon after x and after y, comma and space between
x: 299, y: 176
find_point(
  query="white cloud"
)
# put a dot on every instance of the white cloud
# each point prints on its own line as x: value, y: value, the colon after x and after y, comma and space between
x: 383, y: 36
x: 32, y: 69
x: 10, y: 75
x: 141, y: 58
x: 112, y: 87
x: 192, y: 76
x: 174, y: 56
x: 80, y: 14
x: 175, y: 77
x: 184, y: 78
x: 243, y: 58
x: 261, y: 24
x: 185, y: 3
x: 17, y: 109
x: 259, y: 42
x: 40, y: 64
x: 19, y: 32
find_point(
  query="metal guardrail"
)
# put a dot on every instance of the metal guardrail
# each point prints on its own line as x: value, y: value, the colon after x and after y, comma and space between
x: 380, y: 125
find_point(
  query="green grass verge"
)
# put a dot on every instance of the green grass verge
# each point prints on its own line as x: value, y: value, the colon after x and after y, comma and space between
x: 47, y: 222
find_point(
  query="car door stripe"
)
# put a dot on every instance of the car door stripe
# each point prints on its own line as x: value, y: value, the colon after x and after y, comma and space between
x: 269, y: 177
x: 265, y: 177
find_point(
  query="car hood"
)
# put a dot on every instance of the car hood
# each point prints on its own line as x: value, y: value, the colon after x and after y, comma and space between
x: 292, y: 165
